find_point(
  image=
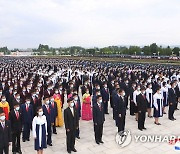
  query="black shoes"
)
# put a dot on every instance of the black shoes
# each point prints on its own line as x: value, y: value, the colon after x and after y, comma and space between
x: 19, y: 152
x: 144, y: 128
x: 55, y: 133
x: 74, y: 150
x: 50, y: 144
x: 24, y: 140
x: 97, y: 142
x: 101, y: 141
x: 172, y: 119
x: 140, y: 129
x: 69, y: 151
x: 157, y: 123
x: 78, y: 137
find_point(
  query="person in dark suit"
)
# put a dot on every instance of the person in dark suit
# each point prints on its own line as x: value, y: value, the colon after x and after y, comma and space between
x: 142, y: 108
x: 5, y: 133
x: 94, y: 97
x: 177, y: 92
x: 35, y: 102
x: 27, y: 117
x: 48, y: 92
x: 10, y: 97
x: 47, y: 110
x: 172, y: 99
x: 54, y: 113
x: 15, y: 118
x: 132, y: 105
x: 71, y: 124
x: 125, y: 86
x: 77, y: 104
x: 105, y: 97
x: 120, y: 110
x: 98, y: 119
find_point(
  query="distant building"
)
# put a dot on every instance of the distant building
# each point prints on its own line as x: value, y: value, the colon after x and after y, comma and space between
x: 1, y: 53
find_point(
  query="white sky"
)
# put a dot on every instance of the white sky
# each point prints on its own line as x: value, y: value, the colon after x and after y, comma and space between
x: 88, y: 23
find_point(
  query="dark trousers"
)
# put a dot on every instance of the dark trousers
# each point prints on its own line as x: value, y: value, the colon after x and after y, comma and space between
x: 70, y: 140
x: 111, y: 101
x: 77, y: 131
x: 4, y: 149
x: 16, y: 146
x: 121, y: 123
x: 49, y: 131
x: 141, y: 119
x: 132, y: 107
x: 176, y: 104
x: 114, y: 113
x: 26, y: 131
x: 126, y: 101
x: 105, y: 107
x: 171, y: 111
x: 98, y: 130
x: 54, y: 126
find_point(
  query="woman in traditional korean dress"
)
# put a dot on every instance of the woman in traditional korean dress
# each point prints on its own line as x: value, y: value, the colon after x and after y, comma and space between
x: 158, y: 106
x: 39, y: 130
x: 149, y: 96
x: 86, y: 106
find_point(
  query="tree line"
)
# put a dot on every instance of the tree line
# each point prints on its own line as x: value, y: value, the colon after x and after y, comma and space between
x: 152, y: 49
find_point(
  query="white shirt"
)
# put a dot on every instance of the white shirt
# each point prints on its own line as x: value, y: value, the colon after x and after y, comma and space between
x: 72, y: 110
x: 3, y: 124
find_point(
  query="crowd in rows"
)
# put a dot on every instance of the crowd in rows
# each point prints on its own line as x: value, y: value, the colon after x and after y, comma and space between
x: 33, y: 92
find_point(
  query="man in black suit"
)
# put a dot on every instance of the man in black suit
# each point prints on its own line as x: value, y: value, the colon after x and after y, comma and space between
x: 142, y: 108
x: 177, y: 91
x: 172, y: 99
x: 125, y: 86
x: 98, y: 119
x: 5, y: 133
x: 120, y: 110
x: 71, y: 124
x: 54, y: 114
x: 15, y: 118
x: 77, y: 104
x: 105, y: 97
x: 47, y: 110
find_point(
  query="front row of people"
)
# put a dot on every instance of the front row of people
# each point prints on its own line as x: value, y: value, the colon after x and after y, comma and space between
x: 43, y: 124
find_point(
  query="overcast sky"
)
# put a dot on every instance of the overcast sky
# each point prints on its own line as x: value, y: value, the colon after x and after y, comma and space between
x: 88, y: 23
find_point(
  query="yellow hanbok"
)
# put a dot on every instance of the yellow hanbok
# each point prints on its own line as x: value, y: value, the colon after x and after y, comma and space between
x: 6, y: 109
x: 59, y: 118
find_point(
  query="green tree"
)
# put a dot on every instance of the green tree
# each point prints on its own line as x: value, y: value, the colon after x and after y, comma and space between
x: 176, y: 51
x: 153, y: 48
x: 146, y: 50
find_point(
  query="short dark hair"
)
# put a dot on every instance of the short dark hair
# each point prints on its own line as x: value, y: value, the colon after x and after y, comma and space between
x: 143, y: 88
x: 99, y: 96
x: 38, y: 108
x: 70, y: 99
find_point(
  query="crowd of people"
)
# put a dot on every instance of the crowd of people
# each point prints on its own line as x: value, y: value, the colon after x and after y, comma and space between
x: 33, y: 92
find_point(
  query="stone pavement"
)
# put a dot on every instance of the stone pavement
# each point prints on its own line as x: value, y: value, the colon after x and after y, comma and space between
x: 87, y: 145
